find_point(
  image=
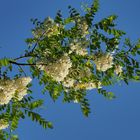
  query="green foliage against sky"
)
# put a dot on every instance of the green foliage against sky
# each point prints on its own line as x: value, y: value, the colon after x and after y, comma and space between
x: 69, y: 56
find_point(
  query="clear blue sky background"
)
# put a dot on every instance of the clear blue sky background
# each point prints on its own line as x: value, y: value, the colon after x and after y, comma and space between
x: 110, y: 120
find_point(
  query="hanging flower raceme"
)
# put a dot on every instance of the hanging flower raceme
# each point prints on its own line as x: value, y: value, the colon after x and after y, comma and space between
x: 57, y: 70
x: 49, y: 28
x: 83, y: 27
x: 103, y: 61
x: 60, y: 69
x: 7, y: 90
x: 12, y: 88
x: 21, y: 87
x: 3, y: 124
x: 77, y: 47
x: 68, y: 82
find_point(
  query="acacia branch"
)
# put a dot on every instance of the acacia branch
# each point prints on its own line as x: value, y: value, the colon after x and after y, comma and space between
x: 22, y: 64
x: 25, y: 64
x: 23, y: 56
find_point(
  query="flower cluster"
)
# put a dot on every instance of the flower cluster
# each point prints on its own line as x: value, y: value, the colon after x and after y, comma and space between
x: 104, y: 62
x: 13, y: 88
x: 3, y: 124
x: 40, y: 65
x: 85, y: 72
x: 7, y: 91
x: 68, y: 82
x: 21, y: 87
x: 78, y: 48
x: 83, y: 27
x: 60, y: 69
x: 48, y: 29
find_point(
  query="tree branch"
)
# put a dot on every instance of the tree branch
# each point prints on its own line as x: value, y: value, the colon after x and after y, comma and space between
x: 21, y: 64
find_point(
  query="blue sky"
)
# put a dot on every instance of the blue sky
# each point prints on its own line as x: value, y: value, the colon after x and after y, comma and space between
x: 118, y: 119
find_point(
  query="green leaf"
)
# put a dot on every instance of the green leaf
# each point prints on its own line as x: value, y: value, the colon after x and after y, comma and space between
x: 85, y: 107
x: 4, y: 62
x: 35, y: 104
x: 14, y: 137
x: 37, y: 117
x: 107, y: 95
x: 15, y: 121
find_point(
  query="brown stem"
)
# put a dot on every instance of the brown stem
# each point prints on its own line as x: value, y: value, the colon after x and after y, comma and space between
x: 22, y: 64
x: 25, y: 64
x: 23, y: 56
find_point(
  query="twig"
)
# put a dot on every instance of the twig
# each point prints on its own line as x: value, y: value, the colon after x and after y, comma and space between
x: 22, y: 64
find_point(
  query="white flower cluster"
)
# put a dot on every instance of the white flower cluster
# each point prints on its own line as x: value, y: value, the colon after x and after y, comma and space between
x: 85, y: 72
x: 104, y: 62
x: 40, y: 65
x: 7, y: 91
x: 60, y: 69
x: 12, y: 88
x: 50, y: 28
x: 3, y: 124
x: 68, y: 82
x: 78, y: 48
x: 83, y: 27
x: 21, y: 87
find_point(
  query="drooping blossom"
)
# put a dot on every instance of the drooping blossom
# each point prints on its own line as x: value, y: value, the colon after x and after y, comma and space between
x: 104, y: 62
x: 21, y: 87
x: 59, y: 69
x: 8, y: 89
x: 48, y: 29
x: 78, y: 47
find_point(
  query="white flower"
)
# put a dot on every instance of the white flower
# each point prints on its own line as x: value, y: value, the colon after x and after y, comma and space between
x: 8, y: 89
x: 118, y: 69
x: 60, y: 69
x: 76, y: 101
x: 21, y: 92
x: 50, y: 28
x: 4, y: 98
x: 21, y: 89
x: 23, y: 81
x: 68, y: 82
x: 78, y: 48
x: 104, y: 62
x: 83, y: 27
x: 40, y: 65
x: 85, y: 72
x: 3, y: 124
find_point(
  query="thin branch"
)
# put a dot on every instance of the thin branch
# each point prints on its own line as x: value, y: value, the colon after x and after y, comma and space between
x: 38, y: 41
x: 29, y: 54
x: 22, y: 64
x: 23, y: 56
x: 25, y: 64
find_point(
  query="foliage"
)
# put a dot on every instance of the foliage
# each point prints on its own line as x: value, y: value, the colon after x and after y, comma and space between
x: 65, y: 56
